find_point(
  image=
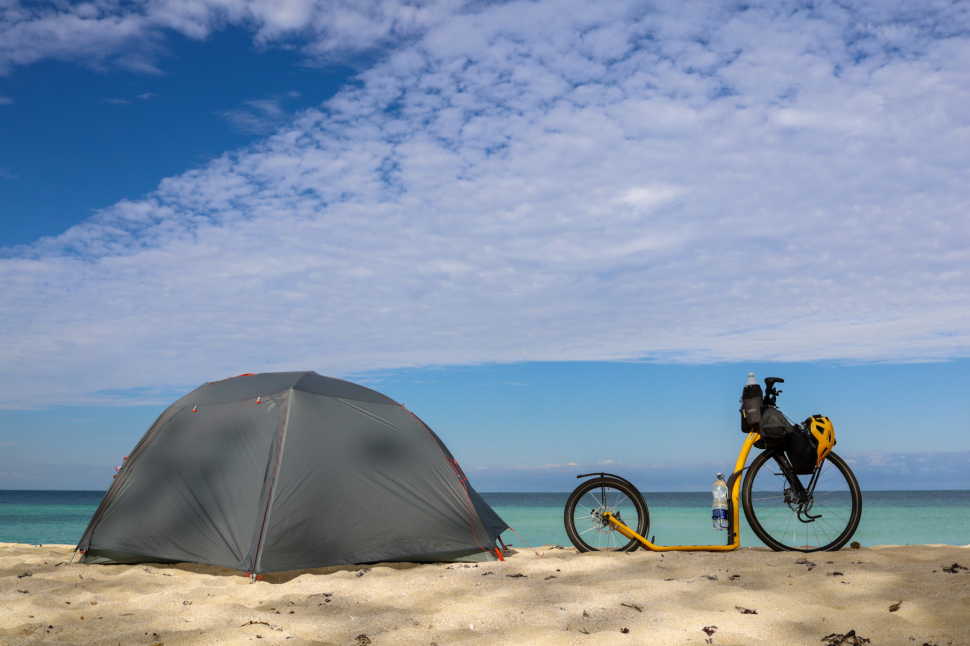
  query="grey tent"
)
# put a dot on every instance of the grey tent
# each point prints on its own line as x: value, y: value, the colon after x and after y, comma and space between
x: 289, y: 470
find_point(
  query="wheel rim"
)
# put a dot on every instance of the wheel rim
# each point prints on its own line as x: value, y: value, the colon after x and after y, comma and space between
x: 587, y: 518
x: 790, y: 520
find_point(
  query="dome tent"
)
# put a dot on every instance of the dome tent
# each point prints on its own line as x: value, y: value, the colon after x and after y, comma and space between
x: 284, y: 471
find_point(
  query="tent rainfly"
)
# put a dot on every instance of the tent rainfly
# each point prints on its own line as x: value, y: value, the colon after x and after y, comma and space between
x: 285, y: 471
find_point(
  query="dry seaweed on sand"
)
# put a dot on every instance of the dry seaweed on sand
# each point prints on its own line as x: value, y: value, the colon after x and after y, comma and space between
x: 895, y: 606
x: 848, y: 639
x: 953, y: 569
x: 811, y: 566
x: 745, y: 611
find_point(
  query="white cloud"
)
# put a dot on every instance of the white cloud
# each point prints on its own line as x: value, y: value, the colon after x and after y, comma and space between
x: 260, y: 116
x: 5, y: 100
x: 874, y: 471
x: 132, y: 34
x: 116, y: 101
x: 542, y: 181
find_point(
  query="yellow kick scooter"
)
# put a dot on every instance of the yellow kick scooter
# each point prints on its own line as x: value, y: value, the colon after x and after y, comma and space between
x: 797, y: 494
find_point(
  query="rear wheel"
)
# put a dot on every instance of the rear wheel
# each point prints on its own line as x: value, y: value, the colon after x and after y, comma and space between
x: 821, y: 520
x: 585, y: 524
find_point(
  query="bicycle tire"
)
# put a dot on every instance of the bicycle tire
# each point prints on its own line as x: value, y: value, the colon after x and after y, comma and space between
x: 608, y: 494
x: 772, y: 512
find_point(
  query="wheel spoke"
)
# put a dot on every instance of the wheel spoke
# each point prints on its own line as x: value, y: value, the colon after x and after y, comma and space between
x: 584, y: 524
x: 829, y: 516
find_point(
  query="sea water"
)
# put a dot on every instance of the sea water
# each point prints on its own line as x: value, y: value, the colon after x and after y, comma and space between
x: 888, y: 517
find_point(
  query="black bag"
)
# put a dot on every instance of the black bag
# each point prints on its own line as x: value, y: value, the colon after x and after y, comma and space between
x: 752, y: 399
x: 802, y: 450
x: 775, y: 429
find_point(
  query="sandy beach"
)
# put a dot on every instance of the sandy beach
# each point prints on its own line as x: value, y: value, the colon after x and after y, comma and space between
x: 751, y: 596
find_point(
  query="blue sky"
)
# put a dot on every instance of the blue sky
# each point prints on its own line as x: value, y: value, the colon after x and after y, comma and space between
x: 539, y: 223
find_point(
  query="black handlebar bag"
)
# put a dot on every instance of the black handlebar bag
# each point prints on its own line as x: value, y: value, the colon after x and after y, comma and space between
x: 776, y: 431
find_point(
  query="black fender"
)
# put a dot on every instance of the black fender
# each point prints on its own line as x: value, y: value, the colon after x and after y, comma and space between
x: 611, y: 475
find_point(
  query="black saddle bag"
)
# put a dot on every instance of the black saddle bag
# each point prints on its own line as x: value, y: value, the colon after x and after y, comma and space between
x: 802, y: 451
x: 775, y: 430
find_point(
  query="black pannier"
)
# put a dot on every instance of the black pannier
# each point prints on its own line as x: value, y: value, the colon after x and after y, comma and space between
x: 752, y: 399
x: 802, y: 450
x: 775, y: 429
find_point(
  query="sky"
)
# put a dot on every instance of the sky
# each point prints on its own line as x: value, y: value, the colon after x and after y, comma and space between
x: 561, y: 232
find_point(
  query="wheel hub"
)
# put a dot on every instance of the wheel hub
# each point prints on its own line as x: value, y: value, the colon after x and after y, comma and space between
x: 798, y: 502
x: 599, y: 519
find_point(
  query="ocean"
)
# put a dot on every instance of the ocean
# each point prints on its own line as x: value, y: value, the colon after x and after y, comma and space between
x: 888, y: 517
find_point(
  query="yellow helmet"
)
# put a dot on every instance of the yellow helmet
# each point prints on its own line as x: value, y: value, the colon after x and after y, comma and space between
x: 824, y: 433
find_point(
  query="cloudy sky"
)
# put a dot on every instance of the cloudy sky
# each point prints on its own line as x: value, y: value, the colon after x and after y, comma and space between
x: 191, y: 190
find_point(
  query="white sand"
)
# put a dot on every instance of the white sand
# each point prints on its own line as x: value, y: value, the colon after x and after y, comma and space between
x: 565, y: 598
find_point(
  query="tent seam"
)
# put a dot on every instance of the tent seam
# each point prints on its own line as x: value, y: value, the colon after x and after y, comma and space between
x: 460, y: 474
x: 272, y: 483
x: 103, y: 507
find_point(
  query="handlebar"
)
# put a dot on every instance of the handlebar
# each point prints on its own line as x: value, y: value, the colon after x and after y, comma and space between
x: 770, y: 393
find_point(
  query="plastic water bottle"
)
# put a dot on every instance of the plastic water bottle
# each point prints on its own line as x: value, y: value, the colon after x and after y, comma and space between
x: 751, y: 380
x: 720, y: 503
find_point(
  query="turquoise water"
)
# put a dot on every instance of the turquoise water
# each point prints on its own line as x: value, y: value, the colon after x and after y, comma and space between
x: 39, y: 517
x: 888, y: 517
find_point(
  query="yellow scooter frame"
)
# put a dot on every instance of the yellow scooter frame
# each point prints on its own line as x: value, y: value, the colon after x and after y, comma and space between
x: 734, y: 537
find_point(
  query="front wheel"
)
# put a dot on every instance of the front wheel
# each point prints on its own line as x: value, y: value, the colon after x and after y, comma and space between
x: 587, y: 528
x: 820, y: 520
